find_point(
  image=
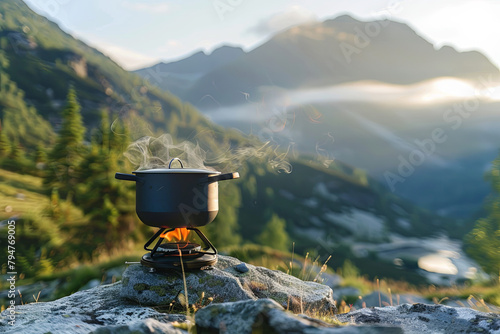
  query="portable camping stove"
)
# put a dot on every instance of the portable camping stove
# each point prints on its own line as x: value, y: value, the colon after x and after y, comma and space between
x: 179, y: 244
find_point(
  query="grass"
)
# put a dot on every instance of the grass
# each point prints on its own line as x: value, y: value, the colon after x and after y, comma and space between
x: 101, y: 264
x: 475, y: 295
x: 301, y: 267
x: 20, y: 194
x: 22, y: 181
x: 24, y: 194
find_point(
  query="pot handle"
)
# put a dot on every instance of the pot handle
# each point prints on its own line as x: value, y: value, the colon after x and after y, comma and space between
x: 221, y: 177
x: 175, y: 159
x: 126, y: 177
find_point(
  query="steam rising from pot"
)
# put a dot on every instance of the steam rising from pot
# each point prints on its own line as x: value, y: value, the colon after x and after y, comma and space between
x: 208, y: 153
x: 150, y: 153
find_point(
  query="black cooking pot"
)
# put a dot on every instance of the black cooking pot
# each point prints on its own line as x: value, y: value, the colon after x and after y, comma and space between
x: 176, y: 197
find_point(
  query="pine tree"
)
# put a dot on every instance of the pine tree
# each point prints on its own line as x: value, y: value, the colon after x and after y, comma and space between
x: 102, y: 198
x: 275, y: 235
x: 63, y: 160
x: 484, y: 240
x: 54, y: 208
x: 4, y: 144
x: 40, y: 155
x: 16, y: 152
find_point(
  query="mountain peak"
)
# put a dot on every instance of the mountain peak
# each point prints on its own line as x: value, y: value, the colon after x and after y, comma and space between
x: 183, y: 73
x: 225, y: 49
x: 344, y: 18
x: 200, y: 61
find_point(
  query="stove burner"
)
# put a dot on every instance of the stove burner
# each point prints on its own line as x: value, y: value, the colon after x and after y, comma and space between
x: 175, y: 247
x: 174, y: 262
x: 168, y: 255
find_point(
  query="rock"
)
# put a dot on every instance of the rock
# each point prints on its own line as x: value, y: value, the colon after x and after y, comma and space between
x: 83, y: 312
x: 397, y: 299
x: 423, y: 318
x: 140, y: 326
x: 228, y: 316
x: 242, y: 268
x: 224, y: 283
x: 267, y: 316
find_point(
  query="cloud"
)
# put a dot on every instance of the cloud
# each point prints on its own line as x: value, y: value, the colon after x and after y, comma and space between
x: 128, y: 59
x: 148, y: 7
x: 169, y: 47
x: 292, y: 16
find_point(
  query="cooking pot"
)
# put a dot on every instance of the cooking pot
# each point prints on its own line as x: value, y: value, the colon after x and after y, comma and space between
x: 176, y: 197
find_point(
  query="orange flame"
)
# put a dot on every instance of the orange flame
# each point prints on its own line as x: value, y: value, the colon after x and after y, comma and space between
x: 179, y: 234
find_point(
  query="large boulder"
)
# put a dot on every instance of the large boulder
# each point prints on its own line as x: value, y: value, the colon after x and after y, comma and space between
x: 423, y: 318
x: 100, y: 308
x: 228, y: 281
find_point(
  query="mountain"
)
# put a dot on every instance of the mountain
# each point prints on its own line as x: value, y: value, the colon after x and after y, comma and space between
x: 367, y: 93
x: 327, y: 205
x: 332, y: 52
x: 179, y: 76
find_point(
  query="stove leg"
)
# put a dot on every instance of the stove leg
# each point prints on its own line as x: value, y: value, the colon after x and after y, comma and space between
x: 150, y: 241
x: 204, y: 239
x: 158, y: 243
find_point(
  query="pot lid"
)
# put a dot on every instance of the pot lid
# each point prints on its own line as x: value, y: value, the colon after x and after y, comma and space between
x: 176, y: 171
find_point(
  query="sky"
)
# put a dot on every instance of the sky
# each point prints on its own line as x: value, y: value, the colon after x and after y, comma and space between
x: 140, y: 33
